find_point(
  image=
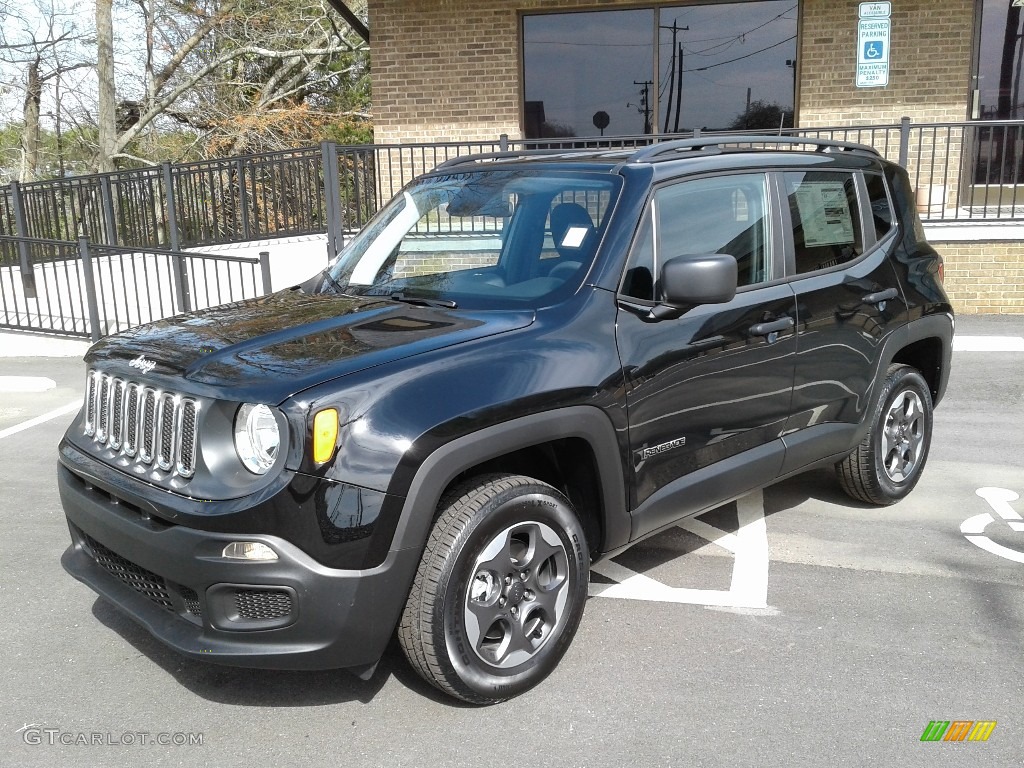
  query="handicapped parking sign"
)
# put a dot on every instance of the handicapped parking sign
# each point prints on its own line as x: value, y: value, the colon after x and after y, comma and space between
x: 874, y: 50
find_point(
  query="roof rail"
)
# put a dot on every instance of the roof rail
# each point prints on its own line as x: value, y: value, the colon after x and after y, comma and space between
x: 509, y: 155
x: 655, y: 152
x: 659, y: 152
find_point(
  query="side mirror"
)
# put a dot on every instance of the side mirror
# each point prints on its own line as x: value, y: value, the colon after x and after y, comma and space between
x: 689, y: 281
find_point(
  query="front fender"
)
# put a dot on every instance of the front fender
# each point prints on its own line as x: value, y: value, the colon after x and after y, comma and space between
x: 450, y: 460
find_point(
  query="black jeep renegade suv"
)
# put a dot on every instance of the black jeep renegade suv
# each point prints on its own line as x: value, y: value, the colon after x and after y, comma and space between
x: 523, y: 364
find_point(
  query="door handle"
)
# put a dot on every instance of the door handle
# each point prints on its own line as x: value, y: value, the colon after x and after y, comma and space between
x: 772, y: 326
x: 880, y: 296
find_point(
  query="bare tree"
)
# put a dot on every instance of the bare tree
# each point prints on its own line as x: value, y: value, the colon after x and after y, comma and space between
x: 229, y: 69
x: 41, y: 52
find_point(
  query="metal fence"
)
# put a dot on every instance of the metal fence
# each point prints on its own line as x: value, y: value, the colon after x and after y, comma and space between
x: 963, y: 171
x: 80, y: 288
x: 120, y: 237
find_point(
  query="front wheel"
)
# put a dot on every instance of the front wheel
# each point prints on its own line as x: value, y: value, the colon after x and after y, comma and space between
x: 500, y: 589
x: 887, y: 464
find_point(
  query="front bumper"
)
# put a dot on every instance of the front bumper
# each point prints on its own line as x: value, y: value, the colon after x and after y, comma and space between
x: 291, y: 613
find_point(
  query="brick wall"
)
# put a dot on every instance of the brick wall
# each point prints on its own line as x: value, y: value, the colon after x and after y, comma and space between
x: 450, y: 69
x: 984, y: 277
x: 929, y: 70
x: 444, y: 70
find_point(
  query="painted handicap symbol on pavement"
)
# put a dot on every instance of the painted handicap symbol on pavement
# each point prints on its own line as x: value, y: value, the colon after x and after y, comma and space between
x: 974, y: 527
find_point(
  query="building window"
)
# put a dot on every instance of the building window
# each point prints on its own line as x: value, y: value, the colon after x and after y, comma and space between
x: 999, y: 63
x: 998, y: 157
x: 663, y: 69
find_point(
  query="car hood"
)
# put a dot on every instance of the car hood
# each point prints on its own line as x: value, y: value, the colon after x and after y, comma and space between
x: 270, y: 348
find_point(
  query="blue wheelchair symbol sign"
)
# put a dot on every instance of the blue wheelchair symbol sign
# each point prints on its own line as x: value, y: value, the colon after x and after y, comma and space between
x: 874, y: 50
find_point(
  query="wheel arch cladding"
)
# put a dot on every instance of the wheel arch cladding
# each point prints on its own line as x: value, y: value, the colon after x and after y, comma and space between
x: 927, y: 347
x: 536, y: 442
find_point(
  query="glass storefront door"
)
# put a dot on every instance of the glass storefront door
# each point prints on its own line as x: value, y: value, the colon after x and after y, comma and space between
x: 998, y: 150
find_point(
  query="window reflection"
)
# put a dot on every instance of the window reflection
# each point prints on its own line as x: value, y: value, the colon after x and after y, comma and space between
x: 716, y: 66
x: 582, y: 64
x: 999, y: 150
x: 724, y: 66
x: 1000, y: 56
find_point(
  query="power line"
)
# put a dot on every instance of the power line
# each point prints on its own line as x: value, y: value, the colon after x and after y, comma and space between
x: 737, y: 38
x: 740, y: 58
x: 728, y: 40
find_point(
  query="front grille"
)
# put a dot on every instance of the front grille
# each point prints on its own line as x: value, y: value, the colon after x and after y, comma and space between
x: 167, y: 595
x: 138, y: 578
x: 262, y: 604
x: 143, y: 423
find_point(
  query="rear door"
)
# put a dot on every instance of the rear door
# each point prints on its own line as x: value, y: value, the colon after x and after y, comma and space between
x: 838, y: 227
x: 709, y: 393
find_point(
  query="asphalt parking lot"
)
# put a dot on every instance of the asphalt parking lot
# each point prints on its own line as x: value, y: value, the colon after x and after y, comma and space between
x: 794, y: 628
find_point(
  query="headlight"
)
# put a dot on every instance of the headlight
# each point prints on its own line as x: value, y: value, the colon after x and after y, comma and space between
x: 257, y: 437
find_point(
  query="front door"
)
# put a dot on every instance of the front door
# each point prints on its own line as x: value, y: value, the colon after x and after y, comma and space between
x: 709, y: 393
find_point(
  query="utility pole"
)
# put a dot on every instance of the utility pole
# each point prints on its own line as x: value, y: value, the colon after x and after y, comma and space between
x: 679, y: 87
x: 674, y: 84
x: 645, y: 103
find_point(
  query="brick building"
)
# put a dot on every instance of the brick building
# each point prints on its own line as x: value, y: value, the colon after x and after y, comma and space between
x: 460, y: 70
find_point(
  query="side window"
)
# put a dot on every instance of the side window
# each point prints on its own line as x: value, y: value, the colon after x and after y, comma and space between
x: 826, y: 219
x: 881, y: 208
x: 725, y: 214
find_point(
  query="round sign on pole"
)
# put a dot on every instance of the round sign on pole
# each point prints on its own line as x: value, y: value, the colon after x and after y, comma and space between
x: 601, y: 121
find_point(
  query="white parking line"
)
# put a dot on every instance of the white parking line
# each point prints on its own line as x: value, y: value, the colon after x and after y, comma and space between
x: 748, y: 587
x: 69, y: 408
x: 26, y: 384
x: 988, y: 344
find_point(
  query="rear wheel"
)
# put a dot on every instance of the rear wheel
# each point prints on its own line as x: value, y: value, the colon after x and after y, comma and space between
x: 887, y: 464
x: 500, y: 590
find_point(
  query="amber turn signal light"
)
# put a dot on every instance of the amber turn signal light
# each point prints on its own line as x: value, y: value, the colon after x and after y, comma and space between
x: 325, y: 435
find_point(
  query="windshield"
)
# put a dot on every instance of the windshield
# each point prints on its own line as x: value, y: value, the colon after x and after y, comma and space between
x: 494, y: 239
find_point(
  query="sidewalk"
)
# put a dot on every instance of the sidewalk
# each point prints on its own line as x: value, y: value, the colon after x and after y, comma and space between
x: 24, y: 344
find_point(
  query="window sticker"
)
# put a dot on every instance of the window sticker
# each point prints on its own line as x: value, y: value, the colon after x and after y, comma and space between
x: 574, y: 237
x: 824, y: 213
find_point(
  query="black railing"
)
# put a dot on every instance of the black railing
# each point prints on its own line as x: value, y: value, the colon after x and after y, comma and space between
x: 80, y: 288
x: 127, y: 231
x: 962, y: 172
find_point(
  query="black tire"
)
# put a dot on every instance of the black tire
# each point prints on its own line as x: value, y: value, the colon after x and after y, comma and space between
x: 887, y: 464
x: 500, y: 589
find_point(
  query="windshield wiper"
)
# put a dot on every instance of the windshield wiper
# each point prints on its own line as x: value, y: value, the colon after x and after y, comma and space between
x: 422, y: 301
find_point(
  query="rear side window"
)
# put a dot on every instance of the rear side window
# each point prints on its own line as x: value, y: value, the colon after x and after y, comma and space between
x: 826, y: 219
x: 881, y: 209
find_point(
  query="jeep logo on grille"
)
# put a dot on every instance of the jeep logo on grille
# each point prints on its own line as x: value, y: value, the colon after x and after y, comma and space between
x: 142, y: 364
